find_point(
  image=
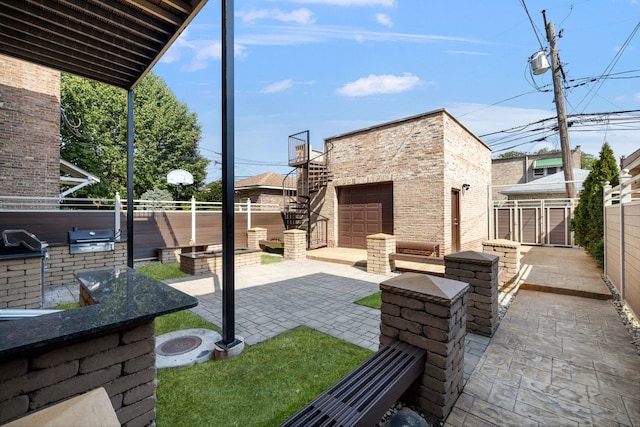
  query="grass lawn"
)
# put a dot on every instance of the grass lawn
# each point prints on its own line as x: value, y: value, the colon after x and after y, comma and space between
x: 163, y: 271
x: 265, y: 385
x: 373, y: 301
x: 270, y: 259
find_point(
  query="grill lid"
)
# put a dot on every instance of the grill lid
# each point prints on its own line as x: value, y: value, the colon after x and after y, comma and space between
x: 90, y: 236
x: 13, y: 238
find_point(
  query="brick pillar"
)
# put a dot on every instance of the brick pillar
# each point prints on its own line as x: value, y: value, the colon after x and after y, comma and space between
x: 480, y: 271
x: 379, y: 246
x: 428, y: 312
x: 509, y: 265
x: 254, y: 235
x: 295, y: 244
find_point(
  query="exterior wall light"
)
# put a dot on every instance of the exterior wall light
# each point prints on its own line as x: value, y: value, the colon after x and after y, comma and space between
x: 466, y: 187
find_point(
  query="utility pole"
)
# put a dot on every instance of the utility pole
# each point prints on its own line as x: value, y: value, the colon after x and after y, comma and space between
x: 565, y: 149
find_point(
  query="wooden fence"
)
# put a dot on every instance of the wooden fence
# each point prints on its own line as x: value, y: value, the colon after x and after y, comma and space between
x: 622, y: 239
x: 153, y: 229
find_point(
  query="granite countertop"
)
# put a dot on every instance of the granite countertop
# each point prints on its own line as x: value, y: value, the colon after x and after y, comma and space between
x: 17, y: 252
x: 123, y: 297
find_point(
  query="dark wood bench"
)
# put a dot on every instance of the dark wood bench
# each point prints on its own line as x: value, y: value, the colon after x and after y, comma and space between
x: 424, y: 252
x: 364, y: 395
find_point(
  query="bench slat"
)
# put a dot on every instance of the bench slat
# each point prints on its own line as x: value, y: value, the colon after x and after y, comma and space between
x: 365, y: 394
x: 416, y: 258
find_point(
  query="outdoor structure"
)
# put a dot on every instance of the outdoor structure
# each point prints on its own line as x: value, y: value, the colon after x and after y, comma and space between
x: 524, y: 169
x: 420, y: 178
x: 622, y: 233
x: 265, y: 188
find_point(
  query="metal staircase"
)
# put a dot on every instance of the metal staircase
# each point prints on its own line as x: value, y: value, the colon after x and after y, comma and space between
x: 311, y: 173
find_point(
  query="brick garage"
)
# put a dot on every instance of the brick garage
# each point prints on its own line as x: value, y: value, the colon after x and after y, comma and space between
x: 30, y: 120
x: 425, y: 160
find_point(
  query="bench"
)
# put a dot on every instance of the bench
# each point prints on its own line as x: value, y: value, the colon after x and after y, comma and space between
x: 424, y: 252
x: 364, y: 395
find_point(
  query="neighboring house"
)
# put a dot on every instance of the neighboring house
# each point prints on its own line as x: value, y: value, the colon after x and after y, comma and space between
x: 524, y: 169
x: 423, y: 178
x: 266, y: 188
x: 632, y: 164
x: 548, y: 187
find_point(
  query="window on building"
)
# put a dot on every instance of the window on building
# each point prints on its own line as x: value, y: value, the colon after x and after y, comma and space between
x: 538, y: 172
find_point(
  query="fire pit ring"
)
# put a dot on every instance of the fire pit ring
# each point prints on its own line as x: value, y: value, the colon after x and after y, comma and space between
x: 185, y: 347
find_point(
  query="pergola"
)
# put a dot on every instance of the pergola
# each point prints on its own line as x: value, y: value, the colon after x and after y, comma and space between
x: 117, y: 42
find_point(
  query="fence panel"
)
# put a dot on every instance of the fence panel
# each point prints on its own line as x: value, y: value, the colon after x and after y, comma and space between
x: 632, y: 255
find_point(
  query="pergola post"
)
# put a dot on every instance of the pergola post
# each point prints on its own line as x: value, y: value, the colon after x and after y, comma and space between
x: 130, y: 177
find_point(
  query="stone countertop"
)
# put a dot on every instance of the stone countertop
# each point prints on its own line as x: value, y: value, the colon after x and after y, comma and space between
x: 17, y: 252
x: 123, y: 297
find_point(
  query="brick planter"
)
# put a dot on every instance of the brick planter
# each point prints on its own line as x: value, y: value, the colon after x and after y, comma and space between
x: 211, y: 262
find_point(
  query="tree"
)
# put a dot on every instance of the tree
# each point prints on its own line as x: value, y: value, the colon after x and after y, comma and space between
x: 93, y: 130
x: 588, y: 220
x: 586, y: 160
x: 211, y: 192
x: 511, y: 154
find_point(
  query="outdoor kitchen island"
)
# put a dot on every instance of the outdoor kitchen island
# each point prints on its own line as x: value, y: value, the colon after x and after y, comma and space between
x: 108, y: 342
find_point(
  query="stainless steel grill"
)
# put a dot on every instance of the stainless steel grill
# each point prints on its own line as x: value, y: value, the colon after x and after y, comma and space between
x: 83, y: 241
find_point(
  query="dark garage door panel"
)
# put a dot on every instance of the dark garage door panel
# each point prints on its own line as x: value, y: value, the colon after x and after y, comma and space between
x: 364, y: 210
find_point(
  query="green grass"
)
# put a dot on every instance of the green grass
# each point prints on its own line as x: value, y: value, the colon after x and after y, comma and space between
x: 373, y: 301
x: 270, y: 259
x: 181, y: 320
x: 263, y: 386
x: 68, y: 305
x: 162, y: 271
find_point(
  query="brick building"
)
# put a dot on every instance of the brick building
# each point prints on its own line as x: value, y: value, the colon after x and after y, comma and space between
x: 30, y: 129
x: 264, y: 188
x: 524, y: 169
x: 422, y: 178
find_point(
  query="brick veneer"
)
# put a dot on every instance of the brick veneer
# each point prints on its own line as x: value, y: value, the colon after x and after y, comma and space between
x: 379, y: 246
x: 428, y: 312
x: 123, y: 362
x: 207, y: 263
x: 254, y: 235
x: 509, y: 253
x: 61, y: 264
x: 480, y: 271
x: 295, y: 244
x: 20, y: 283
x: 30, y: 129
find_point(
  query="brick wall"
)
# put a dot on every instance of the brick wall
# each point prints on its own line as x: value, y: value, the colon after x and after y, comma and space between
x: 122, y: 362
x: 20, y: 283
x: 259, y: 195
x: 199, y: 263
x: 30, y: 129
x: 61, y: 264
x: 411, y: 153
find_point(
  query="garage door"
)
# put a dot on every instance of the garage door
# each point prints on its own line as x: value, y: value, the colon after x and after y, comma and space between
x: 364, y: 210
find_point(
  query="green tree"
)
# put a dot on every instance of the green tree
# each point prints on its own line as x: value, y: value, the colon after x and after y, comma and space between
x: 586, y: 160
x: 211, y: 192
x: 93, y: 130
x: 588, y: 221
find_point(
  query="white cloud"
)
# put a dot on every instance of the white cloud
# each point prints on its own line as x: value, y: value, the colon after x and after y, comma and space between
x: 383, y: 3
x: 384, y: 19
x: 383, y: 84
x: 177, y: 49
x: 637, y: 96
x: 300, y: 16
x: 277, y: 86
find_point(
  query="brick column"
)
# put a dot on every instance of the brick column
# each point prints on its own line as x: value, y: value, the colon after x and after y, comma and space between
x: 428, y: 312
x: 509, y: 253
x: 295, y: 244
x: 480, y: 271
x: 254, y: 235
x: 379, y: 246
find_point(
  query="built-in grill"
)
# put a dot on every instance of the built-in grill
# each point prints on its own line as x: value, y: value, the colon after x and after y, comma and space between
x: 83, y: 241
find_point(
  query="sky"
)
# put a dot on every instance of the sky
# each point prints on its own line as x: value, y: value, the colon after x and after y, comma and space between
x: 336, y: 66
